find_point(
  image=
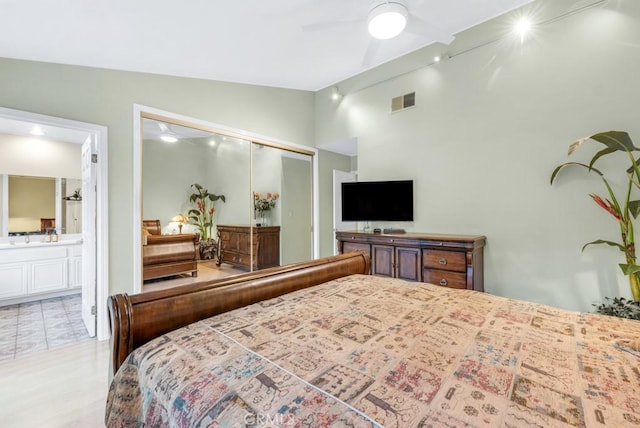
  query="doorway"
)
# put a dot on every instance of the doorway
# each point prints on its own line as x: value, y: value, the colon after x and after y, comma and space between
x: 340, y: 177
x: 94, y: 246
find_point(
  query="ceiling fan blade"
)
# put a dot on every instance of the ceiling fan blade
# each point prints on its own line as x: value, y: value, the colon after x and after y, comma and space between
x: 320, y: 26
x: 370, y: 53
x: 418, y: 26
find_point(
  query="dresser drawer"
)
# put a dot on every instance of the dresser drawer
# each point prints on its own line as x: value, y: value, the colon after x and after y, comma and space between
x: 236, y: 258
x: 447, y: 260
x: 445, y: 278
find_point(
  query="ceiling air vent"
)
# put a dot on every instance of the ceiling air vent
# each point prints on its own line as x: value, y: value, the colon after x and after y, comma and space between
x: 404, y: 101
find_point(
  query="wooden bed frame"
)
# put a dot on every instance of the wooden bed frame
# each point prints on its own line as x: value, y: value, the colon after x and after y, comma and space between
x: 137, y: 319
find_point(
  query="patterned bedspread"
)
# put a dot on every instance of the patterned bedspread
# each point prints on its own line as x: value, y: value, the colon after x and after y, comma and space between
x: 370, y: 351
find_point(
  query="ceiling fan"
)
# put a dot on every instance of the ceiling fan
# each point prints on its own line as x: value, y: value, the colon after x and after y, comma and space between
x: 400, y: 19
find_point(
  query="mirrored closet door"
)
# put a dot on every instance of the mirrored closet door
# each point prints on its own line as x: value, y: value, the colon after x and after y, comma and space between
x: 250, y: 202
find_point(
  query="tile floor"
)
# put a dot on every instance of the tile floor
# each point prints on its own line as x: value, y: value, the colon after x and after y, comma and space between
x: 32, y: 327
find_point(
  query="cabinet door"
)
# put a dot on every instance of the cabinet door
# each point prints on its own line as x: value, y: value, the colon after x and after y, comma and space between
x: 243, y: 242
x: 13, y: 279
x: 48, y: 275
x: 408, y: 264
x: 382, y: 260
x: 268, y: 248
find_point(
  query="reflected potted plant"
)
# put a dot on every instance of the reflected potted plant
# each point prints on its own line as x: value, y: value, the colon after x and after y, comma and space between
x: 621, y: 207
x: 202, y: 217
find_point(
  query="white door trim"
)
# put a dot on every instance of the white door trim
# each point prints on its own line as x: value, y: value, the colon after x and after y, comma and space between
x: 102, y: 203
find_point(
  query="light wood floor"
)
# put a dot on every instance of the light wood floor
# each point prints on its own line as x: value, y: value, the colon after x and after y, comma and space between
x: 63, y: 387
x: 207, y: 270
x: 67, y: 387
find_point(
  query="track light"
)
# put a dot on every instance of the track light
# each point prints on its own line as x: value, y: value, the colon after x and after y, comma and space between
x: 335, y: 94
x: 386, y: 20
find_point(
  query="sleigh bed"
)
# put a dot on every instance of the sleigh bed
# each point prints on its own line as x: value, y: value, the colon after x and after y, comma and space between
x: 321, y: 343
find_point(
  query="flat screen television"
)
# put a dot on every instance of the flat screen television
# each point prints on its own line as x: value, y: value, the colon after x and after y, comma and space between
x: 377, y: 201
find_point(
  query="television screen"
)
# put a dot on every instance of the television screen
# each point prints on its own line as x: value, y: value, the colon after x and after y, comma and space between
x: 377, y: 201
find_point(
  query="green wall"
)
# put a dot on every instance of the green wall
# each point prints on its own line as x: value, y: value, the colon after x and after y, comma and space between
x: 107, y: 97
x: 489, y: 126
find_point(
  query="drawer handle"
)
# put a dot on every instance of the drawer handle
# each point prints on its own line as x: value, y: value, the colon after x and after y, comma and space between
x: 443, y: 281
x: 442, y: 261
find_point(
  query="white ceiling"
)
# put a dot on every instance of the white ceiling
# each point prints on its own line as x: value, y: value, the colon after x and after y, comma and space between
x: 298, y: 44
x: 54, y: 133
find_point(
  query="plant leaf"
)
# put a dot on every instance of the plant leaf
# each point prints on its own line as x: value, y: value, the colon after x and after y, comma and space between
x: 629, y: 269
x: 601, y: 241
x: 634, y: 208
x: 564, y: 165
x: 576, y: 145
x: 616, y: 140
x: 631, y: 168
x: 600, y: 154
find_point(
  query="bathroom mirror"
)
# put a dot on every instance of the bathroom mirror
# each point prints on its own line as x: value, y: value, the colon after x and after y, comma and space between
x: 39, y: 205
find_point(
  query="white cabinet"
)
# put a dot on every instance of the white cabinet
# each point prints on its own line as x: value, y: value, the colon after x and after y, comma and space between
x: 48, y: 275
x: 39, y: 269
x: 13, y: 279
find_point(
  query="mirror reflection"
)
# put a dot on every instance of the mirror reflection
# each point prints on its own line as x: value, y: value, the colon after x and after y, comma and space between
x: 39, y: 176
x: 242, y: 199
x: 33, y: 206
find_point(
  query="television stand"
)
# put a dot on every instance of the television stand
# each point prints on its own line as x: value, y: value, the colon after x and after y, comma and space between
x: 454, y: 261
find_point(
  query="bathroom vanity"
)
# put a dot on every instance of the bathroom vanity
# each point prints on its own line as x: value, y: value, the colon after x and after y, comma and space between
x: 37, y: 270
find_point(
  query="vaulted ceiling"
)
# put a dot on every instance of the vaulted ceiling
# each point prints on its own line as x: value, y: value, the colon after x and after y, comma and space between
x: 298, y: 44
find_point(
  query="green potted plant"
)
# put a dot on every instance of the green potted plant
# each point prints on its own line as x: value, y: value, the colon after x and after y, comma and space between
x: 622, y: 208
x: 202, y: 217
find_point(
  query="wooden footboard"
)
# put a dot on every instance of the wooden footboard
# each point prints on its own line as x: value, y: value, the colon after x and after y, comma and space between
x: 137, y: 319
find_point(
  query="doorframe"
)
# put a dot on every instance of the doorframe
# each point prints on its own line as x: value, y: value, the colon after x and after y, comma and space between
x: 340, y: 177
x: 140, y: 111
x: 98, y: 132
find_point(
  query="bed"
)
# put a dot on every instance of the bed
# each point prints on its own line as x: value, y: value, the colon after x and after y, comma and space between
x: 322, y: 343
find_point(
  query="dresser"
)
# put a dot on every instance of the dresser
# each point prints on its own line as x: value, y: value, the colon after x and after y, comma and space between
x: 454, y: 261
x: 236, y: 245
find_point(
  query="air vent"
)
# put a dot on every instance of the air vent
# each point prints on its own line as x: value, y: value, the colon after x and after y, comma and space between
x: 404, y: 101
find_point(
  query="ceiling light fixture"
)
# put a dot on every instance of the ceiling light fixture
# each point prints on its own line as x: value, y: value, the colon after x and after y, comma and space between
x: 166, y: 135
x: 335, y: 94
x: 387, y: 19
x: 168, y: 138
x: 36, y: 130
x: 523, y: 27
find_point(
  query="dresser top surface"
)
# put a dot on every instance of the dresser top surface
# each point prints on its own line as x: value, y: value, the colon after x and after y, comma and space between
x: 245, y: 227
x: 416, y: 236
